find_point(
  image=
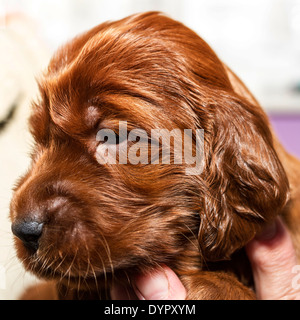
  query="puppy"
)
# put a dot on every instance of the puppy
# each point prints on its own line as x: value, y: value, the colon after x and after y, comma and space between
x: 87, y: 224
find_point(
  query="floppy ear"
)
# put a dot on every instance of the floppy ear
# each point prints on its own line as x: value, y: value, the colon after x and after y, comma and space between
x: 245, y: 182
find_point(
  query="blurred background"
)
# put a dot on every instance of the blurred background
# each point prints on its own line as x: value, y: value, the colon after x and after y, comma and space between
x: 258, y: 39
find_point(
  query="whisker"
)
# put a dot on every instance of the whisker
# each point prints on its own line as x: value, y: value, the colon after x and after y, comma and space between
x: 104, y: 271
x: 108, y: 252
x: 96, y: 282
x: 68, y: 272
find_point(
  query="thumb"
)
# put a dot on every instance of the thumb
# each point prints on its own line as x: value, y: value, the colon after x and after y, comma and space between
x: 163, y: 284
x: 160, y: 284
x: 273, y: 260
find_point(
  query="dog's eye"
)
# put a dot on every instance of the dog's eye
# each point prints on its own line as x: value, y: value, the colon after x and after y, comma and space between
x: 120, y: 138
x: 109, y: 136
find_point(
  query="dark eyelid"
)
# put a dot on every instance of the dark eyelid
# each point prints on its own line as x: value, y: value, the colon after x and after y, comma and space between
x: 119, y: 139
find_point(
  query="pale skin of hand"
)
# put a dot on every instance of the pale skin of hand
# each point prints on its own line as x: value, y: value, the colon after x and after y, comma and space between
x: 273, y: 261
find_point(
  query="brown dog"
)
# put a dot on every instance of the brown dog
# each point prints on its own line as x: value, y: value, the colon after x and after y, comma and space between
x: 87, y: 226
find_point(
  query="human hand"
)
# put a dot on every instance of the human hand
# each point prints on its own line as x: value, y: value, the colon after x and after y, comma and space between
x: 163, y: 284
x: 272, y: 257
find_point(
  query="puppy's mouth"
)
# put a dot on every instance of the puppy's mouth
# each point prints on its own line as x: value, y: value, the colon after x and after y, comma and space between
x: 61, y: 253
x: 68, y: 271
x: 74, y: 270
x: 90, y: 280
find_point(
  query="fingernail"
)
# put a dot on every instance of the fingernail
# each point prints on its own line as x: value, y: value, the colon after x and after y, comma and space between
x: 268, y: 233
x: 152, y: 287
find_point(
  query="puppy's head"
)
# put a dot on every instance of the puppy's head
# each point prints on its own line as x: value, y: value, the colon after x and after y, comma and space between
x: 76, y: 217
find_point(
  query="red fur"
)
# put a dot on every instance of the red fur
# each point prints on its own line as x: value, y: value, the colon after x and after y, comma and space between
x: 104, y: 223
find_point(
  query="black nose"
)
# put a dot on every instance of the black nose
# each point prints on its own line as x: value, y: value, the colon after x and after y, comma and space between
x: 29, y: 232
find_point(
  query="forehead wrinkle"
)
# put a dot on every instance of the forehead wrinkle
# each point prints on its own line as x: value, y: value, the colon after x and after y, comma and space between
x: 138, y: 111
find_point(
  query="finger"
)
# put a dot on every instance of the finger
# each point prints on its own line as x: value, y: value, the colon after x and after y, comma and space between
x: 163, y: 284
x: 273, y: 259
